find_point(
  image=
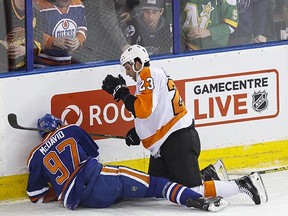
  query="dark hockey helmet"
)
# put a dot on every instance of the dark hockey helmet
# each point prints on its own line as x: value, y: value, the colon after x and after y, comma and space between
x: 48, y: 123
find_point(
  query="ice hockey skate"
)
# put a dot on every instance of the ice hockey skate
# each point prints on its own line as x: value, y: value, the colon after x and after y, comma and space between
x: 258, y: 182
x: 208, y: 204
x: 253, y: 186
x: 216, y: 171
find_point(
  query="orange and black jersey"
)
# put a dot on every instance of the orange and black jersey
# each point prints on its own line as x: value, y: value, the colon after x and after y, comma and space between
x: 158, y: 108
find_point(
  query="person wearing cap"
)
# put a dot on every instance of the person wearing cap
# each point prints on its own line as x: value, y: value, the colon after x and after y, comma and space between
x: 154, y: 33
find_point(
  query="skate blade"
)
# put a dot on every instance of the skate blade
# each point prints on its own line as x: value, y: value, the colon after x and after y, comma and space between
x: 258, y: 182
x: 215, y: 207
x: 221, y: 170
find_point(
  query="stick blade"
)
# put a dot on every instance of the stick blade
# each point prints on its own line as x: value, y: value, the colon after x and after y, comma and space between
x: 12, y: 119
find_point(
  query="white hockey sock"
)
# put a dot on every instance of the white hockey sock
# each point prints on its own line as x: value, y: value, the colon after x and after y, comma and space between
x: 222, y: 188
x: 226, y: 188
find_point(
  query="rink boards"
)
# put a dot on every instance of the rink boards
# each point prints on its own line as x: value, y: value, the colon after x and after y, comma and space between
x: 239, y: 100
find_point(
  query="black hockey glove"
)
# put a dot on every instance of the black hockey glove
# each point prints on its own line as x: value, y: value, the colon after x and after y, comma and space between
x: 116, y: 86
x: 132, y: 137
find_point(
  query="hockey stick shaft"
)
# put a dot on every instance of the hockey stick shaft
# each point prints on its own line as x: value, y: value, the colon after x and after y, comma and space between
x: 261, y: 171
x: 12, y: 119
x: 273, y: 170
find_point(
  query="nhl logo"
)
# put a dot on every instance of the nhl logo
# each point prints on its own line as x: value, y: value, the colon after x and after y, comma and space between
x: 130, y: 31
x: 134, y: 188
x: 260, y: 101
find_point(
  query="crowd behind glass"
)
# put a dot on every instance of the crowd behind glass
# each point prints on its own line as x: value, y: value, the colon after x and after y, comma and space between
x: 73, y: 31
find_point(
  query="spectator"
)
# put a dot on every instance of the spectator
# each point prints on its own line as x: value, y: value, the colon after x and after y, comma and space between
x: 270, y: 31
x: 252, y: 21
x: 64, y: 29
x: 208, y: 24
x: 12, y: 35
x: 282, y: 24
x: 105, y: 40
x: 155, y: 33
x: 4, y: 64
x: 126, y: 9
x: 285, y: 12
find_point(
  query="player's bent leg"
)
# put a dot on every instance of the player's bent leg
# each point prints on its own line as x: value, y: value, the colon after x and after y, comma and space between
x: 252, y: 185
x: 134, y: 183
x: 102, y: 189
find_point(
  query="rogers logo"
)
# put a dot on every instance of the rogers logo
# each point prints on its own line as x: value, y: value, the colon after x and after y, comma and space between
x: 93, y: 111
x: 76, y: 110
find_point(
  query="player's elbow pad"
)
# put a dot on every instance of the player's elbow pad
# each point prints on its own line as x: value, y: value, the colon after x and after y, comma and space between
x: 129, y: 103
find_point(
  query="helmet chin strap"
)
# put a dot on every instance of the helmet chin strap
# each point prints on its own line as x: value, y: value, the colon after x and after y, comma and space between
x: 137, y: 71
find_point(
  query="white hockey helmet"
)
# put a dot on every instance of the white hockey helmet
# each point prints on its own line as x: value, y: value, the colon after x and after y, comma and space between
x: 133, y: 52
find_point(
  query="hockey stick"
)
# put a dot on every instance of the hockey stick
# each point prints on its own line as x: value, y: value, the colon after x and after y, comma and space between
x: 273, y: 170
x: 263, y: 171
x: 12, y: 119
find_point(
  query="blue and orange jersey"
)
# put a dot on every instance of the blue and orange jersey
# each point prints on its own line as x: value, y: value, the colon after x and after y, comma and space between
x: 62, y: 160
x: 67, y: 22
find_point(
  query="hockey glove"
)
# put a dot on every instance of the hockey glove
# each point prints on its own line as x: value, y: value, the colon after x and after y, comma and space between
x: 132, y: 137
x: 116, y: 86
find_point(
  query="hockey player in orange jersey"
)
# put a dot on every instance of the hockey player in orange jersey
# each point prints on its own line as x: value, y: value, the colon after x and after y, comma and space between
x: 166, y: 128
x: 162, y: 122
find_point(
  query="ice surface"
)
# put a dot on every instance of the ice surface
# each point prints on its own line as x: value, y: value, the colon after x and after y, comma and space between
x: 240, y: 205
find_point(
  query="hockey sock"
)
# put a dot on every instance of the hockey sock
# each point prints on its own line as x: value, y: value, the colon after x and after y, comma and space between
x: 226, y: 188
x: 174, y: 192
x: 217, y: 188
x: 178, y: 193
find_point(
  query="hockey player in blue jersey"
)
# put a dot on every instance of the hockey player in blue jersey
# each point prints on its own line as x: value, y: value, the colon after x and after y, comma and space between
x: 65, y: 167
